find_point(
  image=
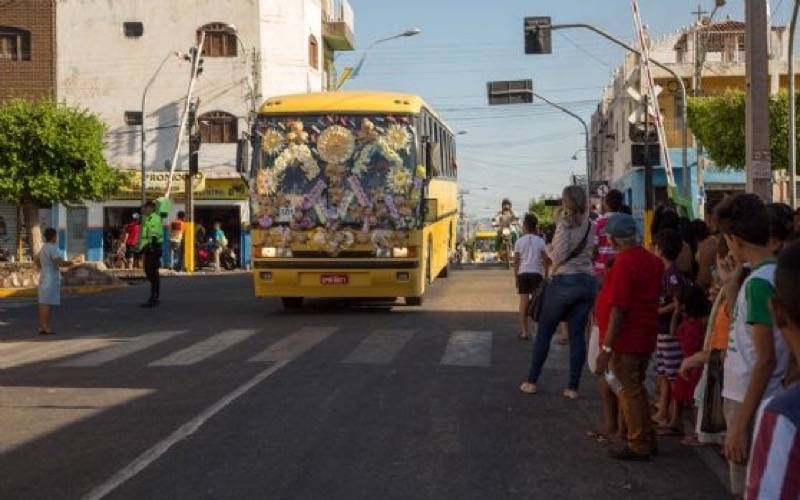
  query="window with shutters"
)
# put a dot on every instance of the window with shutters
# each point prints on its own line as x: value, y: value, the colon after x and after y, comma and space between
x: 313, y: 52
x: 220, y: 40
x: 218, y: 127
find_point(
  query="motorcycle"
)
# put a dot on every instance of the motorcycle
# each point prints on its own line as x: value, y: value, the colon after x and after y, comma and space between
x: 205, y: 256
x: 505, y: 247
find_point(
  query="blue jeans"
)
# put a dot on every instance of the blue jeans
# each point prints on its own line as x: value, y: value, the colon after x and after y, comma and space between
x: 569, y: 298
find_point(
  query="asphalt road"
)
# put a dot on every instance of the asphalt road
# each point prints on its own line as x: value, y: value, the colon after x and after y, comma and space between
x: 219, y: 395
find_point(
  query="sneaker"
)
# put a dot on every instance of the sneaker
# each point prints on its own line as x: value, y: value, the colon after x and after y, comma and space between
x: 625, y: 453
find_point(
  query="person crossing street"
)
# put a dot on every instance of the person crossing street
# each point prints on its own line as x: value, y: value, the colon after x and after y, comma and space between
x: 151, y: 239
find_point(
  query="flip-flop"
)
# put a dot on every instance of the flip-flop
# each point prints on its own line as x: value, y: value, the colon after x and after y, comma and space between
x: 524, y: 336
x: 527, y: 388
x: 692, y: 442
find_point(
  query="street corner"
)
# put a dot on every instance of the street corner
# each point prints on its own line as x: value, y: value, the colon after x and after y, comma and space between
x: 16, y: 293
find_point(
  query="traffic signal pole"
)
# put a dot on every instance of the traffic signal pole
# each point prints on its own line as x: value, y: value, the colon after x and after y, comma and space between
x: 649, y: 195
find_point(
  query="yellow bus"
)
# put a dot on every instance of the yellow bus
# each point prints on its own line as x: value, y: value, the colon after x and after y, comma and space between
x: 353, y: 195
x: 484, y: 246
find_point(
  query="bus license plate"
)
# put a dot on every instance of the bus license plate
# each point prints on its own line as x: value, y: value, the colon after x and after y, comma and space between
x: 333, y: 279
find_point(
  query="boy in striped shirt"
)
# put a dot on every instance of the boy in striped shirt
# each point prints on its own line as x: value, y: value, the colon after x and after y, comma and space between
x: 774, y: 470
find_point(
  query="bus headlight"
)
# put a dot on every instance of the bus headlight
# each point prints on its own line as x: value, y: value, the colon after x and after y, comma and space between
x: 400, y: 252
x: 383, y: 252
x: 284, y: 252
x: 269, y: 252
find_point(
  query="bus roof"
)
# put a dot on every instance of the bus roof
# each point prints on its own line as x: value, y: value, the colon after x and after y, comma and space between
x: 349, y: 101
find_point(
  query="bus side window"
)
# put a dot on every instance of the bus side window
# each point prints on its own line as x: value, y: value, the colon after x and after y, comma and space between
x: 433, y: 159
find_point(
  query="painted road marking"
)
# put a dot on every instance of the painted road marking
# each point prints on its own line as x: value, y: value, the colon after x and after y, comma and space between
x: 45, y: 350
x: 380, y: 348
x: 294, y: 345
x: 187, y: 429
x: 123, y: 348
x: 205, y: 349
x: 467, y: 348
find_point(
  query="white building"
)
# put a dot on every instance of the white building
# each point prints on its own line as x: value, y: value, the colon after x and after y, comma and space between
x: 107, y: 53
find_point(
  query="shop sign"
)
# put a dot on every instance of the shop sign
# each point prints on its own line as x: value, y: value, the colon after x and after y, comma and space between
x: 220, y: 189
x: 156, y: 183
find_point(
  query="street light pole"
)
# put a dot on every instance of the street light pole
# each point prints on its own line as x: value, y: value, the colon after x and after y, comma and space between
x: 143, y: 181
x: 585, y: 132
x: 350, y: 73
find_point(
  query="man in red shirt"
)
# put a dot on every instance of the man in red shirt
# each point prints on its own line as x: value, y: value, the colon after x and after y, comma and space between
x: 131, y: 238
x: 627, y: 315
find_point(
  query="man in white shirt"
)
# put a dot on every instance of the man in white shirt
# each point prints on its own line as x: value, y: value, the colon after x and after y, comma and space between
x: 528, y: 268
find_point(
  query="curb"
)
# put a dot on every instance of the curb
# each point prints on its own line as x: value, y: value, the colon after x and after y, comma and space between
x: 11, y: 293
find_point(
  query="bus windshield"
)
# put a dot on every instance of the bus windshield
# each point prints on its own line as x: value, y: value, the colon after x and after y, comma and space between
x: 324, y: 170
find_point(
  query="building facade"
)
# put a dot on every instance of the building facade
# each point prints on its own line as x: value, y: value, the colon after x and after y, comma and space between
x: 709, y: 58
x: 130, y: 64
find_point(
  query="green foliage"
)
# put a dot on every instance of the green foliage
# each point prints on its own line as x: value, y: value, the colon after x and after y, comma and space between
x: 53, y: 153
x: 545, y: 214
x: 718, y: 122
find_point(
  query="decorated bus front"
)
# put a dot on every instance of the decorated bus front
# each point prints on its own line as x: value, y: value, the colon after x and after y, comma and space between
x: 338, y: 207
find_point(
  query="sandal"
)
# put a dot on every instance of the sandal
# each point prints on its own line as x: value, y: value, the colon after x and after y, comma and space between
x: 600, y: 437
x: 668, y: 431
x: 692, y: 441
x: 45, y: 332
x: 524, y: 336
x: 527, y: 388
x: 570, y: 394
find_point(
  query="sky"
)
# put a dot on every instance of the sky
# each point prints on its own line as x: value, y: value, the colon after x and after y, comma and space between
x: 518, y: 151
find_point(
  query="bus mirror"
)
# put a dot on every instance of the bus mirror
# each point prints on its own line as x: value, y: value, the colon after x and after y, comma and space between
x: 431, y: 210
x: 433, y: 159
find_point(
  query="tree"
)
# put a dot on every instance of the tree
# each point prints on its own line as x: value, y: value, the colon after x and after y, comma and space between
x: 545, y: 214
x: 718, y: 122
x: 51, y: 153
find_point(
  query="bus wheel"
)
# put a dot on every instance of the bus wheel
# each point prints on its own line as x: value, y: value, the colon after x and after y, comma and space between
x: 446, y: 269
x: 413, y: 301
x: 292, y: 302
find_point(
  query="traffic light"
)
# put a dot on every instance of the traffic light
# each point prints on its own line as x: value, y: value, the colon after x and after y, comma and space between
x: 640, y: 132
x: 538, y: 35
x: 194, y: 153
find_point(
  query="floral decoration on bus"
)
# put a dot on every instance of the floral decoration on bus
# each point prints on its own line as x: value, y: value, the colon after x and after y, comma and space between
x: 333, y: 182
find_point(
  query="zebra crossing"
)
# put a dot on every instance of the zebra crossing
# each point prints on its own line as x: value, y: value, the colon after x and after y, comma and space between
x: 463, y: 348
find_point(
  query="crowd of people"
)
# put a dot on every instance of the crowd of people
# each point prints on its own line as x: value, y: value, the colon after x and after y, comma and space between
x: 692, y: 333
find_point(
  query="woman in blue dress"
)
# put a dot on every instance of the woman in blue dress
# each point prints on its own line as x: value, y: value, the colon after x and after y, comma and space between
x: 48, y: 260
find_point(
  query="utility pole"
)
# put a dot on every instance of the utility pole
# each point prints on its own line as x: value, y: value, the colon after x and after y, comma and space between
x: 758, y: 160
x: 699, y: 60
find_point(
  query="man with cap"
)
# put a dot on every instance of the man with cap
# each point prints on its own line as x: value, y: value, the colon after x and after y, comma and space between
x: 151, y: 238
x: 627, y: 316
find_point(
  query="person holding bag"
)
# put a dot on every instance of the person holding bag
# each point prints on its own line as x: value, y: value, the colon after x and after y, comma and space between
x: 569, y: 294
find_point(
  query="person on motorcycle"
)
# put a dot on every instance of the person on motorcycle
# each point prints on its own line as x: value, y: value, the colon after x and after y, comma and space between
x: 506, y: 218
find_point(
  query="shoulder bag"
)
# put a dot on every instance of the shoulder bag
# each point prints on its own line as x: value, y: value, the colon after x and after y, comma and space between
x: 537, y: 301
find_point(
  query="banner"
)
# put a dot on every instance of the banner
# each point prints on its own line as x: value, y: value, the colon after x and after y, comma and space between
x: 219, y: 189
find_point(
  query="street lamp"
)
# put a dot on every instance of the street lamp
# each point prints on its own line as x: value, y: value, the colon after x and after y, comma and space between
x: 143, y: 182
x: 353, y: 72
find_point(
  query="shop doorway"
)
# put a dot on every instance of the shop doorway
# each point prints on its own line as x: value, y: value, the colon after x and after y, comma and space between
x: 114, y: 220
x: 77, y: 224
x: 230, y: 219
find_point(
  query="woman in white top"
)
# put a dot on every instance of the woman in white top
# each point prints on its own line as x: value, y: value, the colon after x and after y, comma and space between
x: 528, y: 268
x: 569, y: 296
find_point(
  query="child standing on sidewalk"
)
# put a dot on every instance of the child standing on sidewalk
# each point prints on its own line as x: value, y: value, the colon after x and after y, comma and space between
x: 757, y: 356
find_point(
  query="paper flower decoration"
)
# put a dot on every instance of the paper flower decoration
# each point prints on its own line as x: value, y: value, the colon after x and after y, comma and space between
x: 336, y: 144
x: 397, y: 137
x: 271, y: 141
x: 399, y: 179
